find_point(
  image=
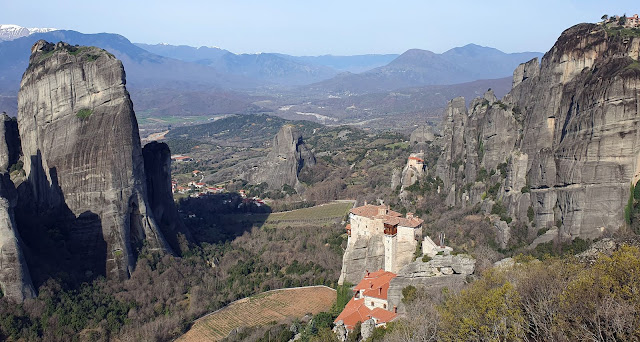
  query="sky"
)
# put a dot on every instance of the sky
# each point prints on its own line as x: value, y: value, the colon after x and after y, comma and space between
x: 311, y: 27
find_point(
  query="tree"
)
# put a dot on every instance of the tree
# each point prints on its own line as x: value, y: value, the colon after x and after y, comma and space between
x: 605, y: 17
x: 622, y: 20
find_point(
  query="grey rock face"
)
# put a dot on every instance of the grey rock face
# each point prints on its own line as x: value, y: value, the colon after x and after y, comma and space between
x: 340, y: 331
x: 525, y: 71
x: 567, y: 131
x: 421, y: 135
x: 283, y: 164
x: 9, y: 142
x: 157, y: 167
x: 441, y: 271
x: 82, y: 156
x: 364, y: 253
x: 367, y: 328
x: 15, y: 279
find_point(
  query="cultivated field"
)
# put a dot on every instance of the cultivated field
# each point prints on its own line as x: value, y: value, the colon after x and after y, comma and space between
x: 264, y: 308
x: 320, y: 215
x: 333, y: 210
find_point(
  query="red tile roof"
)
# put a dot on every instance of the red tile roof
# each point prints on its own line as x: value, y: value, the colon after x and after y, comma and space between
x: 404, y: 222
x: 376, y: 284
x: 416, y: 158
x: 392, y: 217
x: 372, y: 211
x: 356, y: 311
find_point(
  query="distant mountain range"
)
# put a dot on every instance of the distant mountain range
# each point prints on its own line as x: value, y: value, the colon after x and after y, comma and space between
x: 416, y: 68
x: 11, y: 32
x: 168, y: 80
x: 211, y: 55
x: 144, y: 68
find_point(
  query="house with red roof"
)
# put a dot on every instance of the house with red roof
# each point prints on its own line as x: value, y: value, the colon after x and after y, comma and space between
x: 369, y: 301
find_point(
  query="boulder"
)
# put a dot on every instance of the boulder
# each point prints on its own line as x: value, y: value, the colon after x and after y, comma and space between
x: 367, y: 328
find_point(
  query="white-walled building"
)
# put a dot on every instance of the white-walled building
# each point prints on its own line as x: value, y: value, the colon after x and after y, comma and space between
x: 401, y: 234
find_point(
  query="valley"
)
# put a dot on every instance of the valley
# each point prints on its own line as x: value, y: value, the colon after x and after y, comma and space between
x: 157, y: 192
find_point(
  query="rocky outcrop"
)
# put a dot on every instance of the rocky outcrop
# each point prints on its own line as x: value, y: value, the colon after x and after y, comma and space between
x: 83, y: 161
x: 15, y: 279
x: 563, y: 145
x: 413, y: 170
x: 283, y: 163
x: 423, y: 134
x: 439, y: 272
x: 9, y: 142
x: 157, y: 169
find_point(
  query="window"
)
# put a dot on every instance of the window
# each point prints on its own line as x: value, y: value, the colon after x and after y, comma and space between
x: 384, y: 306
x: 372, y: 304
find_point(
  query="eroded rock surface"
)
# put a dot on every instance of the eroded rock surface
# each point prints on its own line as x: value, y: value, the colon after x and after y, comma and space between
x: 562, y: 146
x: 283, y: 163
x: 157, y: 167
x: 15, y: 279
x: 83, y: 161
x: 363, y: 253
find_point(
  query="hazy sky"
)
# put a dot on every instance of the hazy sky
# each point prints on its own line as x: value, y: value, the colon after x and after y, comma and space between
x: 310, y: 27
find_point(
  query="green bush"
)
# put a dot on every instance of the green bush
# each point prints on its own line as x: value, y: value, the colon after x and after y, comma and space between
x: 426, y: 258
x: 530, y: 214
x: 409, y: 294
x: 482, y: 175
x: 84, y: 113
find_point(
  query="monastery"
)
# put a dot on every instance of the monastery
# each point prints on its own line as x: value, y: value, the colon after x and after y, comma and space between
x: 401, y: 234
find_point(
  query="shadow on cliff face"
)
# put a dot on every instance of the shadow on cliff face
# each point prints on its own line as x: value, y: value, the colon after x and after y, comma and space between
x: 58, y: 244
x: 218, y: 218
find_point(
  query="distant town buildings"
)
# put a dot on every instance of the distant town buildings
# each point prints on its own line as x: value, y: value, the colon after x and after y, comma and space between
x: 369, y: 301
x: 178, y: 158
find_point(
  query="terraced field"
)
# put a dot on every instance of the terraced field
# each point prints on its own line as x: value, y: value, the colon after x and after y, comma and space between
x: 264, y: 308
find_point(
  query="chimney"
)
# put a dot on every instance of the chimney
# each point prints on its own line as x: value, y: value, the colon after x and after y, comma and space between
x: 382, y: 210
x: 365, y: 202
x: 367, y: 272
x: 409, y: 216
x: 395, y: 309
x: 380, y: 291
x: 370, y: 285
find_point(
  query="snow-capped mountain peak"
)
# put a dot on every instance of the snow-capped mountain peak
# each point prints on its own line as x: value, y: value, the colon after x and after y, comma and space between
x: 11, y: 32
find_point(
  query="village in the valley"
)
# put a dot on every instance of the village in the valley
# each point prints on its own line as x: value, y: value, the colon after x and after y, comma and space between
x: 198, y: 188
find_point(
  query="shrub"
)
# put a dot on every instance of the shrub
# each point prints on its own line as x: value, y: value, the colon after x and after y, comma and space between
x: 426, y: 258
x: 84, y: 113
x: 409, y: 294
x: 482, y: 175
x: 530, y: 214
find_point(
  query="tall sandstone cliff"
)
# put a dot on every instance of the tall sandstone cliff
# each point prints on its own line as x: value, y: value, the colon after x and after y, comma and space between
x: 85, y: 175
x: 563, y: 145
